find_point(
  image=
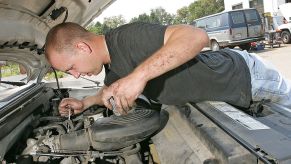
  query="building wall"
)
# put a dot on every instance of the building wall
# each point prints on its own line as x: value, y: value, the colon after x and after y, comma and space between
x: 272, y: 5
x: 229, y: 3
x: 268, y: 5
x: 258, y: 4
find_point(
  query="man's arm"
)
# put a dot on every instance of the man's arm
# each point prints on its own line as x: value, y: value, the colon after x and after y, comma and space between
x: 181, y: 43
x: 79, y: 106
x: 92, y: 100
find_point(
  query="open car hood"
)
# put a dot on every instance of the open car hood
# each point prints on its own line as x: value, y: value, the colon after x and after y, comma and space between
x: 25, y: 23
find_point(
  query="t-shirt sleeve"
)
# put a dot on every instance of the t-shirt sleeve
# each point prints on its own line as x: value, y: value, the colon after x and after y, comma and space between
x: 110, y: 78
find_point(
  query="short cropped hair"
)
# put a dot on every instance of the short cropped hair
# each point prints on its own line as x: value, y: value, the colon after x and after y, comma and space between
x: 62, y: 36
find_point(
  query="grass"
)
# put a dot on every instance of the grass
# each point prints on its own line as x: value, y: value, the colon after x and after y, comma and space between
x: 51, y: 75
x: 12, y: 69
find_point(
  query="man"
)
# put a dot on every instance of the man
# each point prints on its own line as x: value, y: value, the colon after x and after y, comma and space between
x: 163, y: 63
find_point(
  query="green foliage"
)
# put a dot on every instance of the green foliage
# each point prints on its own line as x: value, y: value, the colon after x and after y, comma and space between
x: 51, y: 75
x: 184, y: 15
x: 96, y: 28
x: 201, y: 8
x: 158, y: 15
x: 141, y: 18
x: 114, y: 21
x: 10, y: 69
x: 108, y: 24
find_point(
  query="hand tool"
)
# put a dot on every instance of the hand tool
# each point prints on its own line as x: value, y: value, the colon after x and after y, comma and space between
x: 112, y: 102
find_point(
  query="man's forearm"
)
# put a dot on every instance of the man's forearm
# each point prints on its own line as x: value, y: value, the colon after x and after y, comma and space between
x: 89, y: 101
x: 92, y: 100
x: 181, y: 45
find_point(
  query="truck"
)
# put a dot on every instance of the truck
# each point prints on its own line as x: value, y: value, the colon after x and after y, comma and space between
x: 281, y: 22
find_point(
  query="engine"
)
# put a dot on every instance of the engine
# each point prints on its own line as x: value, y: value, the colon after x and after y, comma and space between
x: 96, y: 135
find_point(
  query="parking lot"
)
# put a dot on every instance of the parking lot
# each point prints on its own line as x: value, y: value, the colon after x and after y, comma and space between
x: 279, y: 56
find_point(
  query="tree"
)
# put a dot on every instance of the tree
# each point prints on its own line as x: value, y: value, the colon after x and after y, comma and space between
x: 114, y: 21
x: 96, y: 28
x: 158, y: 15
x: 109, y: 23
x: 182, y: 16
x: 201, y: 8
x: 141, y: 18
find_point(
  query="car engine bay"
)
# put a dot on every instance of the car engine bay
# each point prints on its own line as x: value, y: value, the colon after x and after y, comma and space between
x: 206, y: 132
x: 96, y: 135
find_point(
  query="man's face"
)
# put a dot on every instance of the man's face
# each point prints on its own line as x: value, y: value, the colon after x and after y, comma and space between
x: 77, y: 64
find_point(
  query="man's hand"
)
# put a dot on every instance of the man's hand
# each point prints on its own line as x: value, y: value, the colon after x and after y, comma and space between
x: 124, y: 91
x: 73, y: 104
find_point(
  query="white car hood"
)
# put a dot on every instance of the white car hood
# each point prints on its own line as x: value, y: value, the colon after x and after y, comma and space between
x: 25, y: 23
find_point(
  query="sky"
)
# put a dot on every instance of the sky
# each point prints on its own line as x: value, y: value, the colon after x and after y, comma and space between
x: 132, y: 8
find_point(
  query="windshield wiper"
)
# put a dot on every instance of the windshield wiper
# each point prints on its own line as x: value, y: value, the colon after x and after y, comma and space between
x: 15, y: 83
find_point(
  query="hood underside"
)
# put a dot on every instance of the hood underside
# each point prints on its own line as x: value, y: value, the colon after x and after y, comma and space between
x: 25, y: 23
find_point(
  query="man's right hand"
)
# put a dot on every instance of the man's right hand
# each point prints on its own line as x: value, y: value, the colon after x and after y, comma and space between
x: 73, y: 104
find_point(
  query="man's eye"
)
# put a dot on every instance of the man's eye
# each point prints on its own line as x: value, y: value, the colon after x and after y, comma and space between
x: 70, y: 69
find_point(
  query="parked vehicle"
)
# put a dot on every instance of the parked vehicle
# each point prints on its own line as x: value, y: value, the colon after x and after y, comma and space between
x: 282, y: 22
x: 232, y: 28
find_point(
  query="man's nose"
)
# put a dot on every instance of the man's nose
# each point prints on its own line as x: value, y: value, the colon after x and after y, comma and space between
x: 75, y: 74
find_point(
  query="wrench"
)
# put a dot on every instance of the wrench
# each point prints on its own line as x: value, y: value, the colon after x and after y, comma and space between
x: 69, y: 118
x: 112, y: 102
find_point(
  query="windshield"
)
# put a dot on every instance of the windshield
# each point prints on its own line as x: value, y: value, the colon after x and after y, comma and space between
x: 278, y: 20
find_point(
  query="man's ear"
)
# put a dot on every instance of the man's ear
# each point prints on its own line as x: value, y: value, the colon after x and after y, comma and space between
x: 84, y: 47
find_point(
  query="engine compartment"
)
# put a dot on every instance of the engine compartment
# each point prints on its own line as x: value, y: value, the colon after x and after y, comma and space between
x: 96, y: 135
x: 205, y: 132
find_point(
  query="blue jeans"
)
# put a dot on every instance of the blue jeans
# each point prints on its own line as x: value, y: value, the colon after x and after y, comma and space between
x: 266, y: 81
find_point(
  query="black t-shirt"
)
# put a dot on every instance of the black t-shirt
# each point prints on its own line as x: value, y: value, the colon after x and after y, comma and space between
x: 216, y: 76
